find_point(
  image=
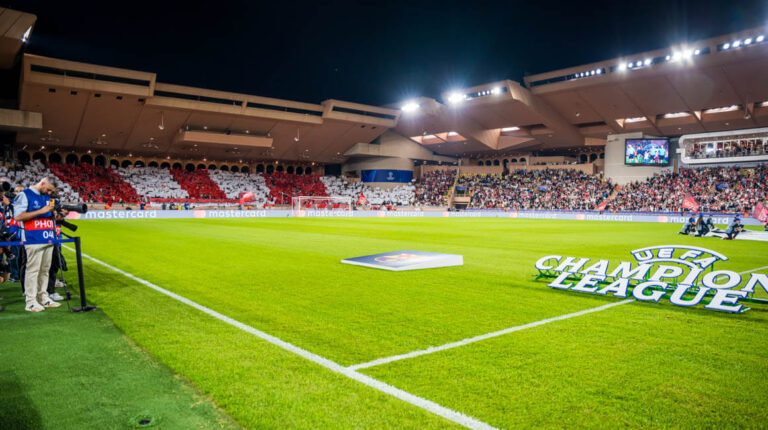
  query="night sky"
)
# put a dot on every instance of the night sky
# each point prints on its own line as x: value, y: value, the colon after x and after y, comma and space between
x: 373, y: 52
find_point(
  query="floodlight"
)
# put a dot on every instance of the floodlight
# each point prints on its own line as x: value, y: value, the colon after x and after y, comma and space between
x: 455, y: 98
x: 496, y: 90
x: 622, y: 67
x: 687, y: 54
x: 668, y: 57
x: 409, y: 107
x: 25, y: 36
x: 599, y: 71
x: 726, y: 46
x: 647, y: 62
x: 697, y: 52
x: 736, y: 44
x: 506, y: 129
x: 759, y: 38
x: 747, y: 41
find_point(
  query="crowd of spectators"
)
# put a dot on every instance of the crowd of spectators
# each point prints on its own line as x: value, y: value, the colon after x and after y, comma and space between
x: 197, y: 184
x: 715, y: 189
x: 550, y: 189
x: 151, y: 182
x: 234, y: 183
x: 722, y: 189
x: 735, y: 148
x: 401, y: 195
x: 432, y: 188
x: 95, y: 184
x: 30, y: 174
x: 284, y: 186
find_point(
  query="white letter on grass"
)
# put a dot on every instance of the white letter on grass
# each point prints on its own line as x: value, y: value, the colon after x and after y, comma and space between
x: 655, y: 296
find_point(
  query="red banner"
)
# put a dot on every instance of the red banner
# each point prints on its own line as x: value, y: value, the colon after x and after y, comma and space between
x: 760, y: 213
x: 689, y: 202
x: 601, y: 206
x: 362, y: 200
x: 246, y: 197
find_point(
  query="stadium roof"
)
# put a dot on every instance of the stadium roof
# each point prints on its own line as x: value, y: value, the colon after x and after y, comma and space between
x: 15, y: 28
x: 124, y: 111
x: 712, y: 85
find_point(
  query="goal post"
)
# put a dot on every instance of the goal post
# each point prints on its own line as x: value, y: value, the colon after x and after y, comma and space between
x: 300, y: 204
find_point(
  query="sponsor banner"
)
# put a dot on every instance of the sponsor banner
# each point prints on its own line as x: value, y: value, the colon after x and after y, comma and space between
x: 279, y: 213
x: 386, y: 175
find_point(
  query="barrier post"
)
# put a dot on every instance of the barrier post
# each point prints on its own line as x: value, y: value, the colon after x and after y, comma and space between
x: 83, y: 306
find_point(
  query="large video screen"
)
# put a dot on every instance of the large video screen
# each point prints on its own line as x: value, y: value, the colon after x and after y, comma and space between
x: 647, y: 152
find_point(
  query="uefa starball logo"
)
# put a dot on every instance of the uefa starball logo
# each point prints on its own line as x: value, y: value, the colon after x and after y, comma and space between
x: 684, y: 275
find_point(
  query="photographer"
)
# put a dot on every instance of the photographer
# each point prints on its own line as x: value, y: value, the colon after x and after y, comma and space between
x: 33, y: 209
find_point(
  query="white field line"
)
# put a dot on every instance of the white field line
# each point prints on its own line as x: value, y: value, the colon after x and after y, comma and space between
x: 753, y: 270
x: 478, y: 338
x: 405, y: 396
x: 467, y: 341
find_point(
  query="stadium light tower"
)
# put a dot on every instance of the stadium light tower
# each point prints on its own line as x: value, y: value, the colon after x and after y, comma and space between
x: 25, y: 36
x: 455, y: 98
x: 409, y: 107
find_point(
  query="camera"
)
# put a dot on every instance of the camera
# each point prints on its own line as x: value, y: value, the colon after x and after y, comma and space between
x: 7, y: 189
x: 58, y: 207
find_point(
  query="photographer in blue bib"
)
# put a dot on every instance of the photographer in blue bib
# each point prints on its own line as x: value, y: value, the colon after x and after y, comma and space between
x: 33, y: 210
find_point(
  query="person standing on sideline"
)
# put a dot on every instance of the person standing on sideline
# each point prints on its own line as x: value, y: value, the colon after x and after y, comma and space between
x: 32, y: 210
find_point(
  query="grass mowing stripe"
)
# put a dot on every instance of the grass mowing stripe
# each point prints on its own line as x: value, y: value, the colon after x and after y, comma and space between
x: 405, y: 396
x: 474, y: 339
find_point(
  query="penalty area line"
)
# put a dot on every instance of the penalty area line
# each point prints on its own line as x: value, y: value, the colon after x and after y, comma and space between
x: 428, y: 405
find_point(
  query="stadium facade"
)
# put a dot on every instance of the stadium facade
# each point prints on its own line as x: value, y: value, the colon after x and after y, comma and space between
x: 707, y: 91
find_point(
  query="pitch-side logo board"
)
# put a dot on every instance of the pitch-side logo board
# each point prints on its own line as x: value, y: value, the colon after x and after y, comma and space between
x: 684, y: 275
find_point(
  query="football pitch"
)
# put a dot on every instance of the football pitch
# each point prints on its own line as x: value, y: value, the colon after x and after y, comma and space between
x: 263, y: 319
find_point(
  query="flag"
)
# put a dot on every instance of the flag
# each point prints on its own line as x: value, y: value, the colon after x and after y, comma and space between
x: 689, y: 202
x: 760, y: 213
x: 362, y: 200
x: 247, y: 196
x: 601, y: 206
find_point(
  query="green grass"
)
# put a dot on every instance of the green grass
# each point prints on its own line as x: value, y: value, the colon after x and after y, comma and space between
x: 637, y: 364
x: 61, y: 370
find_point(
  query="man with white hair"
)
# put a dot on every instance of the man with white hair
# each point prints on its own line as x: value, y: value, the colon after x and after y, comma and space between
x: 32, y: 209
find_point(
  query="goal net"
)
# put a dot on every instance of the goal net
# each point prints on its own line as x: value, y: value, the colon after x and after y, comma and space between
x: 301, y: 204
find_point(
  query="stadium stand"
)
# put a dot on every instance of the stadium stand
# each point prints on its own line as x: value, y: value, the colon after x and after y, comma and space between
x: 284, y: 186
x: 96, y: 184
x: 234, y: 183
x: 198, y: 184
x: 728, y: 148
x: 26, y: 175
x: 402, y: 195
x: 550, y: 189
x: 151, y: 182
x: 432, y: 188
x: 723, y: 189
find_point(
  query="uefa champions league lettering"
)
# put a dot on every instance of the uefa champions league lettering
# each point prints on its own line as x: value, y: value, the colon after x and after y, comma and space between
x: 684, y: 280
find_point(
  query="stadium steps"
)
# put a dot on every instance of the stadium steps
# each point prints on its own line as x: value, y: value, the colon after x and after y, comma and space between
x: 198, y: 184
